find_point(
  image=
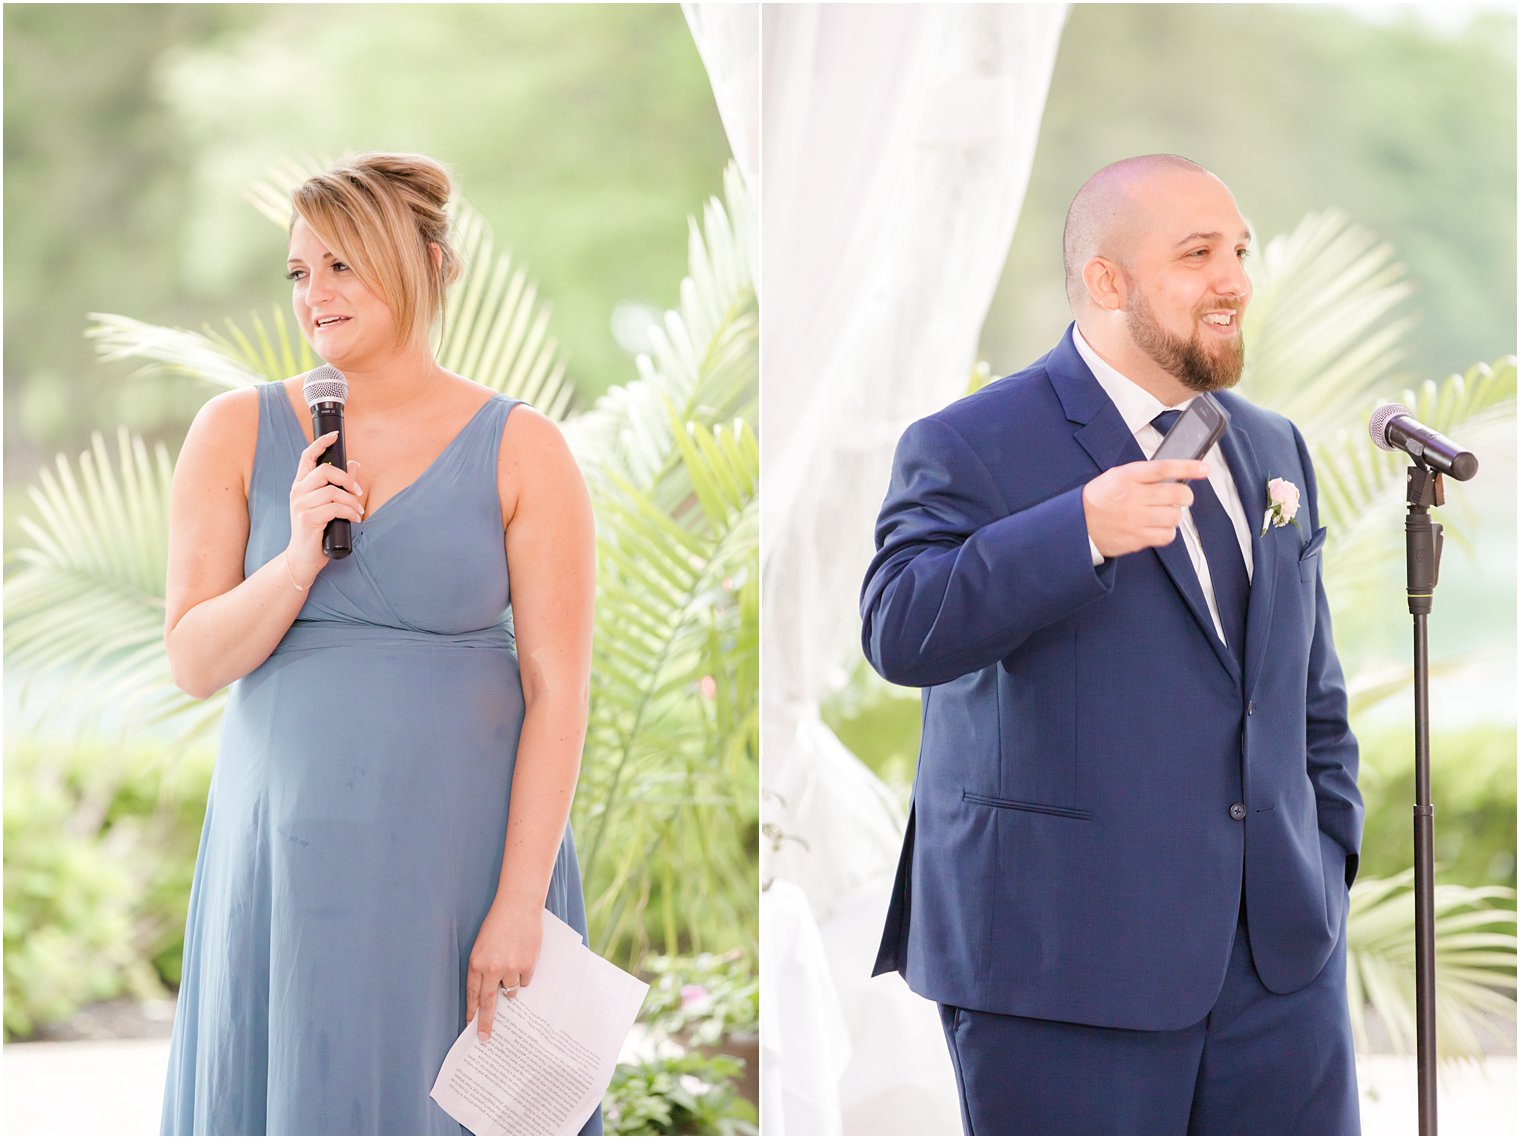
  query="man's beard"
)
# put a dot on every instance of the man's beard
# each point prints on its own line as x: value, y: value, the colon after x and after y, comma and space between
x: 1186, y: 359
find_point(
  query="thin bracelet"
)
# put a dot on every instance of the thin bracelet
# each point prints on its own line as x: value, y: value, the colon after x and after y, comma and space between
x: 291, y: 574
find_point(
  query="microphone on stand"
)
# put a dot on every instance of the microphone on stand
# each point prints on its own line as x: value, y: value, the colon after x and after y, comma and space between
x: 325, y: 392
x: 1393, y: 427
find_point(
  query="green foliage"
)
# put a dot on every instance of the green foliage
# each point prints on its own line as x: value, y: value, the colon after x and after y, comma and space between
x: 1409, y: 130
x: 581, y: 130
x: 688, y: 1094
x: 1325, y: 315
x: 880, y: 722
x: 86, y: 594
x: 696, y: 1007
x: 1362, y: 487
x: 100, y: 843
x: 666, y: 815
x: 702, y: 999
x: 1473, y: 774
x: 1475, y: 960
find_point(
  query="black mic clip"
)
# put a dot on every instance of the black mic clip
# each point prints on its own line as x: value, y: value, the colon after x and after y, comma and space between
x: 1423, y: 540
x: 1425, y: 487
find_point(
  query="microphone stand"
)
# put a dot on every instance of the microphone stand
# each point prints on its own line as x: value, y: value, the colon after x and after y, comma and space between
x: 1422, y: 552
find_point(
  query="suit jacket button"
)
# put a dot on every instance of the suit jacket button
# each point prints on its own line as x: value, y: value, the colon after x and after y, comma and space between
x: 1237, y: 811
x: 1251, y: 708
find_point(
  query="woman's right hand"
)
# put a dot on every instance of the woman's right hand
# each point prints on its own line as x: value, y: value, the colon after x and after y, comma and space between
x: 317, y: 496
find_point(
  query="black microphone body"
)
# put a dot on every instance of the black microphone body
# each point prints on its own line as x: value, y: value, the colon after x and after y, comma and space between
x: 338, y: 536
x: 1394, y: 427
x: 326, y: 391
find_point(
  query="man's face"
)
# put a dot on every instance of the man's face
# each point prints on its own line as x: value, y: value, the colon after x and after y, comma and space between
x: 1186, y: 283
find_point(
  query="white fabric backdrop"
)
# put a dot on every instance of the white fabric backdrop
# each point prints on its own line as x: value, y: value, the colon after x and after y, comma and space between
x: 896, y: 148
x: 728, y: 40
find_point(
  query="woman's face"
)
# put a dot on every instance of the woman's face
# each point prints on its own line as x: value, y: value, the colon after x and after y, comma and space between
x: 342, y: 320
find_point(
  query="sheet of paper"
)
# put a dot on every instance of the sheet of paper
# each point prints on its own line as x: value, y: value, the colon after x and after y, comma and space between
x: 552, y: 1047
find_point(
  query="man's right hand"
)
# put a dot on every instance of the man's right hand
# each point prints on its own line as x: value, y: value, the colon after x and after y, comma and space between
x: 1138, y: 505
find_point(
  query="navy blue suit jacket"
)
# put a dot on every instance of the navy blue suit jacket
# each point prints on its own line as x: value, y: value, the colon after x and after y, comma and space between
x: 1071, y: 852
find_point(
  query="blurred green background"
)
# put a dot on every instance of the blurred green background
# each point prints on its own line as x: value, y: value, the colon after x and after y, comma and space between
x: 586, y: 133
x: 1402, y: 118
x: 587, y: 138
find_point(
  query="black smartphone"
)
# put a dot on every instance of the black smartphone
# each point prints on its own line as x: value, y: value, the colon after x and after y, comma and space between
x: 1198, y: 428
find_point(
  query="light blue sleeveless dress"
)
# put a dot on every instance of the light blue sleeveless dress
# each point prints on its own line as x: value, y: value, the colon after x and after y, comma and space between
x: 357, y: 815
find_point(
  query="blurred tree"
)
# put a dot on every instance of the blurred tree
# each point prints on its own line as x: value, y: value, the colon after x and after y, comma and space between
x: 94, y: 185
x: 133, y: 131
x: 1298, y: 107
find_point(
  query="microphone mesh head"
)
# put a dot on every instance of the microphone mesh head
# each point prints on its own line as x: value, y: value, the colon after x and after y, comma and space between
x: 1377, y: 426
x: 324, y: 384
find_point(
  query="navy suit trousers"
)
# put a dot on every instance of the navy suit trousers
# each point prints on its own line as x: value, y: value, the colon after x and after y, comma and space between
x: 1260, y: 1063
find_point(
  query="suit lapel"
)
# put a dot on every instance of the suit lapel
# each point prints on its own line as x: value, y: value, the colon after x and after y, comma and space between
x: 1179, y: 567
x: 1106, y: 438
x: 1251, y: 485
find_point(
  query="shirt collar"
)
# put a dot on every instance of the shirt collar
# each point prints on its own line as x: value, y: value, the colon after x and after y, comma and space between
x: 1137, y: 407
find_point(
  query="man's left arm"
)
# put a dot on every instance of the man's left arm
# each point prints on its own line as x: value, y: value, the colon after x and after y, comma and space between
x: 1331, y: 748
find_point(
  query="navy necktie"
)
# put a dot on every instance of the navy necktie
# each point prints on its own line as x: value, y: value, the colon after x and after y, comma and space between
x: 1221, y: 549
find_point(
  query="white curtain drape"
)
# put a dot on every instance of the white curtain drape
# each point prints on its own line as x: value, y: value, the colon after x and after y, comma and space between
x: 896, y: 146
x: 728, y: 40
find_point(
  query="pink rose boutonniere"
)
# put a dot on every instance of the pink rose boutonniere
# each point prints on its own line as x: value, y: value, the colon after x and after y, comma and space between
x: 1282, y: 504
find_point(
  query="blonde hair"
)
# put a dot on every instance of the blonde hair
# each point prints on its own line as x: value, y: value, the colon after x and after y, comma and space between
x: 384, y: 214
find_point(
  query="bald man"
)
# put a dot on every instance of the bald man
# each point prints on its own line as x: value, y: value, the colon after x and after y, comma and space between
x: 1135, y: 818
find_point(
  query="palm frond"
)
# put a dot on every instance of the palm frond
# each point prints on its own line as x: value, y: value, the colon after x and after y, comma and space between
x: 672, y: 746
x: 704, y: 360
x: 1475, y: 960
x: 271, y: 195
x: 1360, y: 485
x: 496, y: 332
x: 1375, y: 683
x: 172, y: 351
x: 86, y: 594
x: 271, y: 355
x: 1321, y: 331
x: 664, y: 782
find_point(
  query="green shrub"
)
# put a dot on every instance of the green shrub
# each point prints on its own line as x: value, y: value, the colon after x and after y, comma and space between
x: 697, y: 1006
x: 689, y: 1094
x: 1472, y: 780
x: 702, y: 999
x: 100, y: 845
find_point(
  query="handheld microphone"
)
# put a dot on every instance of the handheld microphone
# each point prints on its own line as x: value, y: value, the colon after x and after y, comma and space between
x: 325, y: 392
x: 1394, y: 427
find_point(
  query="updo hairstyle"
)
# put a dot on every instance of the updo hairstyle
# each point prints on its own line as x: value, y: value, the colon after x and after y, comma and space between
x: 383, y: 215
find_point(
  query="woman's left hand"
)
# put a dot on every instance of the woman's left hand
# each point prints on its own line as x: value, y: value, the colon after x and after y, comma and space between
x: 505, y: 953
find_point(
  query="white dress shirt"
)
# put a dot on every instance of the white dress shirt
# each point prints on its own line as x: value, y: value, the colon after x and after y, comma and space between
x: 1138, y: 407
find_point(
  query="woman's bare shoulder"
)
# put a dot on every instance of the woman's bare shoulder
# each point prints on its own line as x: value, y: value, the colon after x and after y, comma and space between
x: 535, y: 461
x: 224, y: 434
x: 529, y: 436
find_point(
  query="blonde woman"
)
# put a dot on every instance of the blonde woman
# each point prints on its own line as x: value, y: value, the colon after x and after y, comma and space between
x: 388, y: 816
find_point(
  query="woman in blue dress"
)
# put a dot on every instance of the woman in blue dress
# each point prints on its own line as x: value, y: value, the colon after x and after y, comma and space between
x: 389, y: 812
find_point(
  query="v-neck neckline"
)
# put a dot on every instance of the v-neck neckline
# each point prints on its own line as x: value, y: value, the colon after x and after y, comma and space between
x: 370, y: 515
